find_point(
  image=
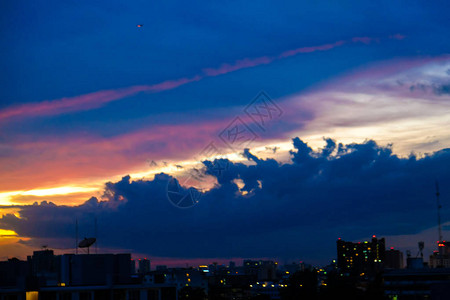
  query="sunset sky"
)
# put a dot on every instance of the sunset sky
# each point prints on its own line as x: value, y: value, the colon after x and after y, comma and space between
x: 345, y: 106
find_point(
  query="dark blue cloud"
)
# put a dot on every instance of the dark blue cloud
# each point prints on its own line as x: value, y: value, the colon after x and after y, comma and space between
x: 288, y: 210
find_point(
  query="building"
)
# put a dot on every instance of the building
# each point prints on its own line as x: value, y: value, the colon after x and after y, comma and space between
x: 13, y: 273
x: 114, y: 292
x: 270, y: 290
x: 179, y: 278
x: 267, y: 271
x: 161, y: 267
x: 261, y: 270
x: 293, y: 267
x: 441, y: 257
x: 420, y: 283
x: 251, y: 267
x: 415, y: 263
x: 144, y: 266
x: 96, y: 269
x: 86, y: 276
x: 133, y: 266
x: 393, y: 259
x: 45, y: 266
x: 361, y: 258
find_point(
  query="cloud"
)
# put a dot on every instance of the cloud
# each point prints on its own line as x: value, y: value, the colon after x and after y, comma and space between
x: 85, y: 158
x: 87, y: 101
x: 313, y: 49
x: 400, y: 101
x: 442, y: 89
x: 239, y: 64
x: 438, y: 89
x: 364, y: 40
x: 369, y: 102
x: 253, y: 62
x: 98, y: 99
x: 281, y: 210
x: 397, y: 36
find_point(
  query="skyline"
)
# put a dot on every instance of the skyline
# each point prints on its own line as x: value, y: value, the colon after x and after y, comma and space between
x: 98, y: 114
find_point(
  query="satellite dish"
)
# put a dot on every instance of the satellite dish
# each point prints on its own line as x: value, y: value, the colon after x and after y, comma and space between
x: 87, y: 242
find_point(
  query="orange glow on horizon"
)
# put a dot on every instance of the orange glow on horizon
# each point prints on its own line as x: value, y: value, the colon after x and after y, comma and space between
x: 5, y: 233
x: 38, y: 195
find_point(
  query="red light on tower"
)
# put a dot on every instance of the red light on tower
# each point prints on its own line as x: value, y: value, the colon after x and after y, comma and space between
x: 374, y: 236
x: 392, y: 248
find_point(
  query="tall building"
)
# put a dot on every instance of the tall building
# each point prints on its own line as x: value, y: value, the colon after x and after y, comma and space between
x: 361, y: 258
x: 144, y: 266
x: 441, y: 257
x: 97, y: 269
x: 45, y: 266
x: 261, y: 270
x: 251, y: 267
x: 394, y: 259
x: 13, y: 273
x: 232, y: 265
x: 133, y: 266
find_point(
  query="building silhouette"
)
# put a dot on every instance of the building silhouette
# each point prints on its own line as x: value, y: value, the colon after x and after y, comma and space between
x: 361, y: 258
x: 393, y: 259
x: 441, y: 257
x: 264, y: 270
x: 144, y: 266
x: 77, y: 276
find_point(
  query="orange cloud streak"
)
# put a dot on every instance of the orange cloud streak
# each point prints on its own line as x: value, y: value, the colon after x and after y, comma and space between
x: 65, y: 160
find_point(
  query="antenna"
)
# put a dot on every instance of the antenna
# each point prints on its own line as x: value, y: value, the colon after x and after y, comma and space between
x: 438, y: 211
x: 76, y: 236
x: 421, y: 246
x: 95, y: 233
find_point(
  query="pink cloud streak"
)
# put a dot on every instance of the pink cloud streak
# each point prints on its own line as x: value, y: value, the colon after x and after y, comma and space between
x: 239, y: 64
x: 100, y: 98
x: 325, y: 47
x: 88, y: 101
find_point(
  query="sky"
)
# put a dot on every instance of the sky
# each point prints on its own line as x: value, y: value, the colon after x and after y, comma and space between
x: 220, y: 131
